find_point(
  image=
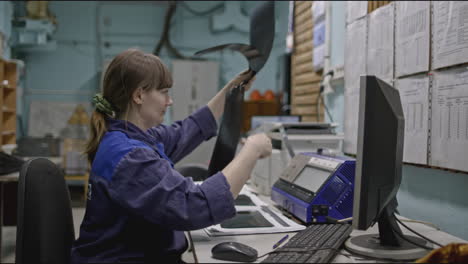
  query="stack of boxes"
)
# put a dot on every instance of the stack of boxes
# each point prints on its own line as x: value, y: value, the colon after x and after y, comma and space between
x: 74, y: 137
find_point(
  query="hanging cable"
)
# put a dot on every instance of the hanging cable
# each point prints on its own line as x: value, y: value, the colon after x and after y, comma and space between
x: 201, y: 13
x: 416, y: 233
x: 192, y: 245
x: 326, y: 108
x: 165, y: 39
x: 320, y: 96
x: 167, y: 19
x: 420, y: 222
x: 402, y: 236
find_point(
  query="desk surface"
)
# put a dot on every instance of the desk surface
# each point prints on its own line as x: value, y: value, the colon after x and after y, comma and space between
x: 11, y: 177
x: 263, y: 243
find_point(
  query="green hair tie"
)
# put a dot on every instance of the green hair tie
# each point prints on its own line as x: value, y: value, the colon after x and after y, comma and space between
x: 103, y: 106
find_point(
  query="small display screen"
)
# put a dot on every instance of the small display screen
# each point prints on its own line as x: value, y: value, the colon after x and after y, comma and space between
x: 247, y: 219
x: 312, y: 178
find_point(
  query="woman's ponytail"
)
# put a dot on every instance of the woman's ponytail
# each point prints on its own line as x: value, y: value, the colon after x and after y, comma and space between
x: 97, y: 129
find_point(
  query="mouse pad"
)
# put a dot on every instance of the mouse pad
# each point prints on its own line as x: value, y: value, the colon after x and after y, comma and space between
x: 243, y: 199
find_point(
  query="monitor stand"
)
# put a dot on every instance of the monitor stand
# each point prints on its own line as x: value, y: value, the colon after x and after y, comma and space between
x: 387, y: 244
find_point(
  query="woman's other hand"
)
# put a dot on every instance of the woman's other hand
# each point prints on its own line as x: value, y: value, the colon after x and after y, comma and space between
x: 259, y: 143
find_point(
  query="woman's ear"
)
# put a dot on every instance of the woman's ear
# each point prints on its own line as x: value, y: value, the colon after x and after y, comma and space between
x: 137, y: 96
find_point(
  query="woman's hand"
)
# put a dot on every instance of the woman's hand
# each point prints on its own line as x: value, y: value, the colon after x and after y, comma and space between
x: 216, y: 104
x: 238, y: 171
x: 246, y: 75
x: 259, y: 143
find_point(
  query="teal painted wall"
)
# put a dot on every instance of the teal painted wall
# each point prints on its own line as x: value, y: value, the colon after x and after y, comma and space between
x: 435, y: 196
x: 432, y: 195
x: 92, y: 32
x: 6, y: 14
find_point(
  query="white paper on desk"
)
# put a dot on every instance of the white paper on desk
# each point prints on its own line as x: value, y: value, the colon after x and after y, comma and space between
x: 355, y: 66
x: 217, y: 230
x: 450, y: 33
x: 414, y: 94
x: 412, y: 37
x: 449, y: 130
x: 380, y: 43
x: 355, y: 10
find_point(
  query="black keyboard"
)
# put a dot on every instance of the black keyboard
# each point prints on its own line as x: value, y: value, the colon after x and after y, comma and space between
x: 316, y: 244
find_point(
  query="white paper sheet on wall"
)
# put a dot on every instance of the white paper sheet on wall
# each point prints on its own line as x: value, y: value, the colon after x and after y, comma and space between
x: 351, y: 123
x: 319, y: 33
x: 449, y: 129
x: 380, y: 43
x: 414, y: 94
x: 412, y: 37
x: 355, y: 54
x: 450, y: 33
x: 355, y: 10
x: 355, y: 66
x: 318, y: 57
x: 318, y: 11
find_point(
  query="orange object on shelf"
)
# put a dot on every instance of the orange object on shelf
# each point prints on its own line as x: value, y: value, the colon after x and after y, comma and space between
x: 255, y: 95
x: 269, y: 95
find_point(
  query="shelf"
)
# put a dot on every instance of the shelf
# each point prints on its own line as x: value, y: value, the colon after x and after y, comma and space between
x: 8, y: 80
x: 8, y: 133
x: 8, y: 87
x: 8, y: 110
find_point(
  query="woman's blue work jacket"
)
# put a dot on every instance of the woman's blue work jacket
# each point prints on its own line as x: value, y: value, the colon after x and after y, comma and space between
x: 138, y: 206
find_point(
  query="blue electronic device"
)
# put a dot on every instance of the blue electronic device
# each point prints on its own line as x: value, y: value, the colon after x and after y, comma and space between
x: 315, y: 186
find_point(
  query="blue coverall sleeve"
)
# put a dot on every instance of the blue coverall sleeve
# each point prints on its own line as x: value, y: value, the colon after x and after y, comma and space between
x: 147, y: 186
x: 182, y: 137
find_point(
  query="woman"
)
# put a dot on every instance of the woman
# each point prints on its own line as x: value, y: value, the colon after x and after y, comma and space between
x: 135, y: 195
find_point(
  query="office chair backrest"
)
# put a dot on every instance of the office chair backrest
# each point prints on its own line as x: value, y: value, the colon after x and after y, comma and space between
x: 199, y: 172
x: 45, y: 230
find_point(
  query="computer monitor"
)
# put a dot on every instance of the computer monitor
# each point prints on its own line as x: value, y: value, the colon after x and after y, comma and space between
x: 378, y: 174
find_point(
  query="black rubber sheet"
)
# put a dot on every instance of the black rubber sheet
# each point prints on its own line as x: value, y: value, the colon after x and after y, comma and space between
x: 262, y: 33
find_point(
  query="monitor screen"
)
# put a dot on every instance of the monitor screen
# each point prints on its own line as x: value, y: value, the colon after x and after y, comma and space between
x: 378, y: 175
x: 311, y: 178
x: 379, y: 150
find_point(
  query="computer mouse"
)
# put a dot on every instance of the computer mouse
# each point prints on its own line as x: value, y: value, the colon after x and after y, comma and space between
x: 234, y: 251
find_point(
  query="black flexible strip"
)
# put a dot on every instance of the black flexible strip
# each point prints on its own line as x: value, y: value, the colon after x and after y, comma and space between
x: 262, y: 30
x: 229, y: 132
